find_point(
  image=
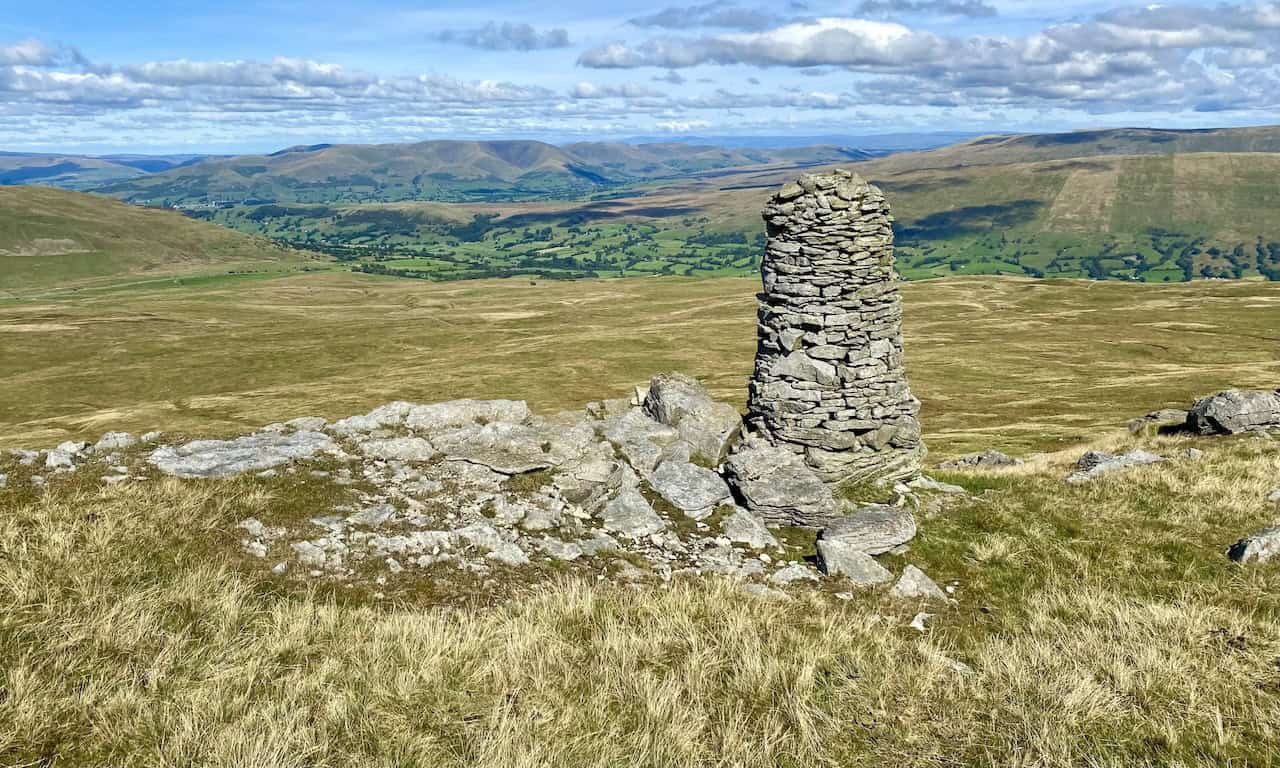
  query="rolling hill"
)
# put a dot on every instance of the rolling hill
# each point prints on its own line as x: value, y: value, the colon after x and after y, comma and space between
x: 451, y: 171
x: 1159, y: 214
x: 56, y: 239
x: 84, y: 172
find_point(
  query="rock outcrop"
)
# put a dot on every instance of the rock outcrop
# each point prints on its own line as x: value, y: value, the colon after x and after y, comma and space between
x: 1234, y: 411
x: 829, y: 383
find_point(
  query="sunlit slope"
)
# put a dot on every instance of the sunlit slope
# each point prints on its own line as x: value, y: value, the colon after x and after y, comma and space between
x: 55, y: 239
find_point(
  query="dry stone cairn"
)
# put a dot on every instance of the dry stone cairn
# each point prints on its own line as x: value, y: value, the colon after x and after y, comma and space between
x: 829, y: 383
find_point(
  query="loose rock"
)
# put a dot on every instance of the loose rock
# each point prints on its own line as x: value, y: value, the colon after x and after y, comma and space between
x: 693, y: 490
x: 838, y: 558
x: 987, y: 458
x: 631, y: 515
x: 1261, y: 546
x: 913, y: 583
x: 873, y: 529
x: 743, y: 527
x: 776, y: 484
x: 1094, y: 464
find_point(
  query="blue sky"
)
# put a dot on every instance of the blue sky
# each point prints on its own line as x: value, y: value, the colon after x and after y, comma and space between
x: 234, y: 76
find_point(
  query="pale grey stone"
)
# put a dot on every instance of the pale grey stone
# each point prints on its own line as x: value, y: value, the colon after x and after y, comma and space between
x: 1261, y: 546
x: 914, y: 584
x: 4, y: 480
x: 410, y: 449
x: 455, y: 414
x: 114, y: 441
x: 561, y: 550
x: 873, y: 529
x: 1234, y: 411
x: 630, y: 515
x: 281, y: 568
x: 764, y: 592
x: 225, y: 458
x: 923, y: 483
x: 432, y: 542
x: 1274, y: 496
x: 307, y: 424
x: 639, y: 438
x: 481, y: 535
x: 793, y: 573
x: 151, y: 437
x: 599, y: 542
x: 389, y: 415
x: 679, y: 401
x: 310, y: 554
x: 695, y: 491
x: 776, y: 484
x: 542, y: 513
x: 504, y: 447
x: 25, y: 458
x: 508, y: 553
x: 839, y: 558
x: 373, y: 517
x: 743, y: 527
x: 1094, y: 464
x: 987, y: 458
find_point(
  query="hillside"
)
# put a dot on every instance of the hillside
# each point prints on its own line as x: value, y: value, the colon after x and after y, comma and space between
x: 56, y: 239
x: 83, y: 172
x: 1156, y: 218
x: 444, y: 171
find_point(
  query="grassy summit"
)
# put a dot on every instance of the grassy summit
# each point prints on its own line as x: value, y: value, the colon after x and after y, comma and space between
x: 51, y: 239
x: 1096, y: 624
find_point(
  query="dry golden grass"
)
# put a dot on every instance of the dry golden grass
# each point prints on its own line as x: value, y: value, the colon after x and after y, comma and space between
x: 1096, y: 625
x: 1015, y: 364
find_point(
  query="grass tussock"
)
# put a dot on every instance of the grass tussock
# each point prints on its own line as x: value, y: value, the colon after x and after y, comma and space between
x: 1093, y: 625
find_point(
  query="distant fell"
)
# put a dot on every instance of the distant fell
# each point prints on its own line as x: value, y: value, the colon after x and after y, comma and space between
x: 447, y: 171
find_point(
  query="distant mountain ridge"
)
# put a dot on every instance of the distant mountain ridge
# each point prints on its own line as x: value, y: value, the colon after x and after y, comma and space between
x: 447, y: 171
x: 84, y: 172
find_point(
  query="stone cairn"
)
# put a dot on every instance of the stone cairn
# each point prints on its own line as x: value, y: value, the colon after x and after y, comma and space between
x: 829, y: 383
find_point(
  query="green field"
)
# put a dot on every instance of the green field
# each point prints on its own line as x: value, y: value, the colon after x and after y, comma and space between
x: 1165, y: 218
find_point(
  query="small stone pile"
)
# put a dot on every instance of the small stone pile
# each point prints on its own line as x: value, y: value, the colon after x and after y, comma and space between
x: 829, y: 383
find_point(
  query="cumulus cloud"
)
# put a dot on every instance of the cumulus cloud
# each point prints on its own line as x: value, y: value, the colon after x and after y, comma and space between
x: 1171, y: 57
x: 507, y: 37
x: 585, y: 90
x: 723, y: 15
x: 970, y: 8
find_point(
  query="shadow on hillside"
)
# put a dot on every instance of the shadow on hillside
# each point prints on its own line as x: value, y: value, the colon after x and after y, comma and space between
x: 971, y: 220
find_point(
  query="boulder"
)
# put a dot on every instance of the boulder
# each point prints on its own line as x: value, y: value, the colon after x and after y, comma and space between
x: 1274, y: 496
x: 777, y: 485
x: 695, y: 491
x: 639, y: 438
x: 1094, y: 464
x: 873, y: 529
x: 1261, y: 546
x: 508, y: 553
x: 1234, y: 411
x: 839, y: 558
x: 630, y: 515
x: 225, y: 458
x: 742, y: 527
x: 914, y: 584
x: 462, y: 413
x: 708, y: 426
x: 987, y: 458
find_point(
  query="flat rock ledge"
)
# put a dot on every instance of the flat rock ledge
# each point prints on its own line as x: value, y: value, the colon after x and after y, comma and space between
x: 656, y: 487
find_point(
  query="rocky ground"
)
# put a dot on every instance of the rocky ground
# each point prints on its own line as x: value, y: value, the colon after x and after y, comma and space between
x: 651, y: 488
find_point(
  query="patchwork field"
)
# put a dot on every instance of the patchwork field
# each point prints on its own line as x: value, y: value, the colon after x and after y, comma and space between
x: 1012, y: 363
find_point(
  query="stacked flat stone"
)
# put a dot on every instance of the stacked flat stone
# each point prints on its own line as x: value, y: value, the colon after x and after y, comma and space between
x: 829, y: 383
